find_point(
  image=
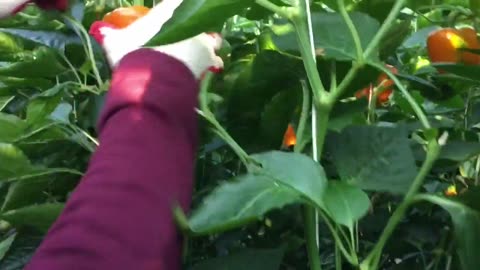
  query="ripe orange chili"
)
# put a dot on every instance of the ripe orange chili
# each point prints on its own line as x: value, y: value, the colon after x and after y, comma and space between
x: 124, y: 16
x: 382, y: 81
x: 289, y: 138
x: 444, y: 46
x: 470, y: 37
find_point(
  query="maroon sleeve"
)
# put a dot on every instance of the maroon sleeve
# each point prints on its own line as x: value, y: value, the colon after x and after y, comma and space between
x: 52, y: 4
x: 119, y: 216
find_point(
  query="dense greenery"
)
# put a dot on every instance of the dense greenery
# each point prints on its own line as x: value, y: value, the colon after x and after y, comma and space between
x: 391, y: 184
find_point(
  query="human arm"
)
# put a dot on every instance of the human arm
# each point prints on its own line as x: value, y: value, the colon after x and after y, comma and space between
x: 119, y: 216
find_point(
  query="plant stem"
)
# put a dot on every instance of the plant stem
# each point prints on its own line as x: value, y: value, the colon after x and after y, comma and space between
x: 302, y: 21
x: 416, y: 108
x: 338, y: 258
x: 372, y: 260
x: 351, y: 258
x: 309, y: 218
x: 88, y: 47
x: 353, y: 30
x: 372, y: 46
x: 303, y: 117
x: 335, y: 95
x: 282, y: 11
x: 218, y: 128
x: 308, y: 58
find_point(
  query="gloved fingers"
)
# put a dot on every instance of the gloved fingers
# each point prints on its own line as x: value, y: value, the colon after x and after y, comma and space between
x: 212, y: 42
x: 217, y: 40
x: 145, y: 28
x: 9, y: 7
x: 217, y: 66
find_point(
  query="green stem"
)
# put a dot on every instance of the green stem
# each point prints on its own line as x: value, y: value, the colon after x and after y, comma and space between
x: 323, y: 114
x: 372, y: 106
x: 218, y: 128
x: 310, y: 213
x: 308, y: 57
x: 309, y: 218
x: 373, y: 258
x: 351, y: 257
x: 302, y: 21
x: 335, y: 95
x: 387, y: 24
x: 338, y: 258
x: 89, y: 49
x: 416, y: 108
x: 44, y: 173
x: 303, y: 117
x: 282, y: 11
x: 333, y: 76
x: 353, y: 30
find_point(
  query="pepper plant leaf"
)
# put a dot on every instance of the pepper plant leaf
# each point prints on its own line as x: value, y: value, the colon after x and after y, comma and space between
x: 193, y: 17
x: 345, y: 203
x: 333, y: 39
x: 298, y: 171
x: 374, y: 157
x: 40, y: 217
x: 466, y: 220
x: 238, y: 202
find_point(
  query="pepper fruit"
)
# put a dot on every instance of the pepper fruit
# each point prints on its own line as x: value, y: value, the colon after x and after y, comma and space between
x: 124, y: 16
x: 451, y: 191
x: 384, y: 82
x: 444, y: 45
x: 289, y: 138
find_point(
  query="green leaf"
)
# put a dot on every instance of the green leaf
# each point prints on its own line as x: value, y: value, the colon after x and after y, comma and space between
x: 394, y: 38
x: 466, y: 221
x: 240, y: 201
x: 297, y: 171
x: 40, y: 217
x: 14, y: 163
x: 193, y: 17
x: 44, y: 104
x: 41, y: 62
x: 459, y: 150
x: 252, y: 259
x: 4, y: 101
x: 20, y: 251
x: 467, y: 71
x: 374, y: 158
x: 345, y: 114
x: 56, y: 40
x: 277, y: 115
x: 26, y: 192
x: 8, y: 44
x: 345, y: 203
x: 332, y: 35
x: 6, y: 244
x: 11, y: 127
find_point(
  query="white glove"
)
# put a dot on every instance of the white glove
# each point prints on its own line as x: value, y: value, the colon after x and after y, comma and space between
x: 197, y: 53
x: 9, y: 7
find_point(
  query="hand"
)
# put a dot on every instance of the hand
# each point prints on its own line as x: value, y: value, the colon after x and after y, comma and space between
x: 197, y: 53
x: 9, y: 7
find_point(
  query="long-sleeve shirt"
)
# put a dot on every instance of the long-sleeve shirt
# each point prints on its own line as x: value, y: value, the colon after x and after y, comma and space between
x: 119, y: 216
